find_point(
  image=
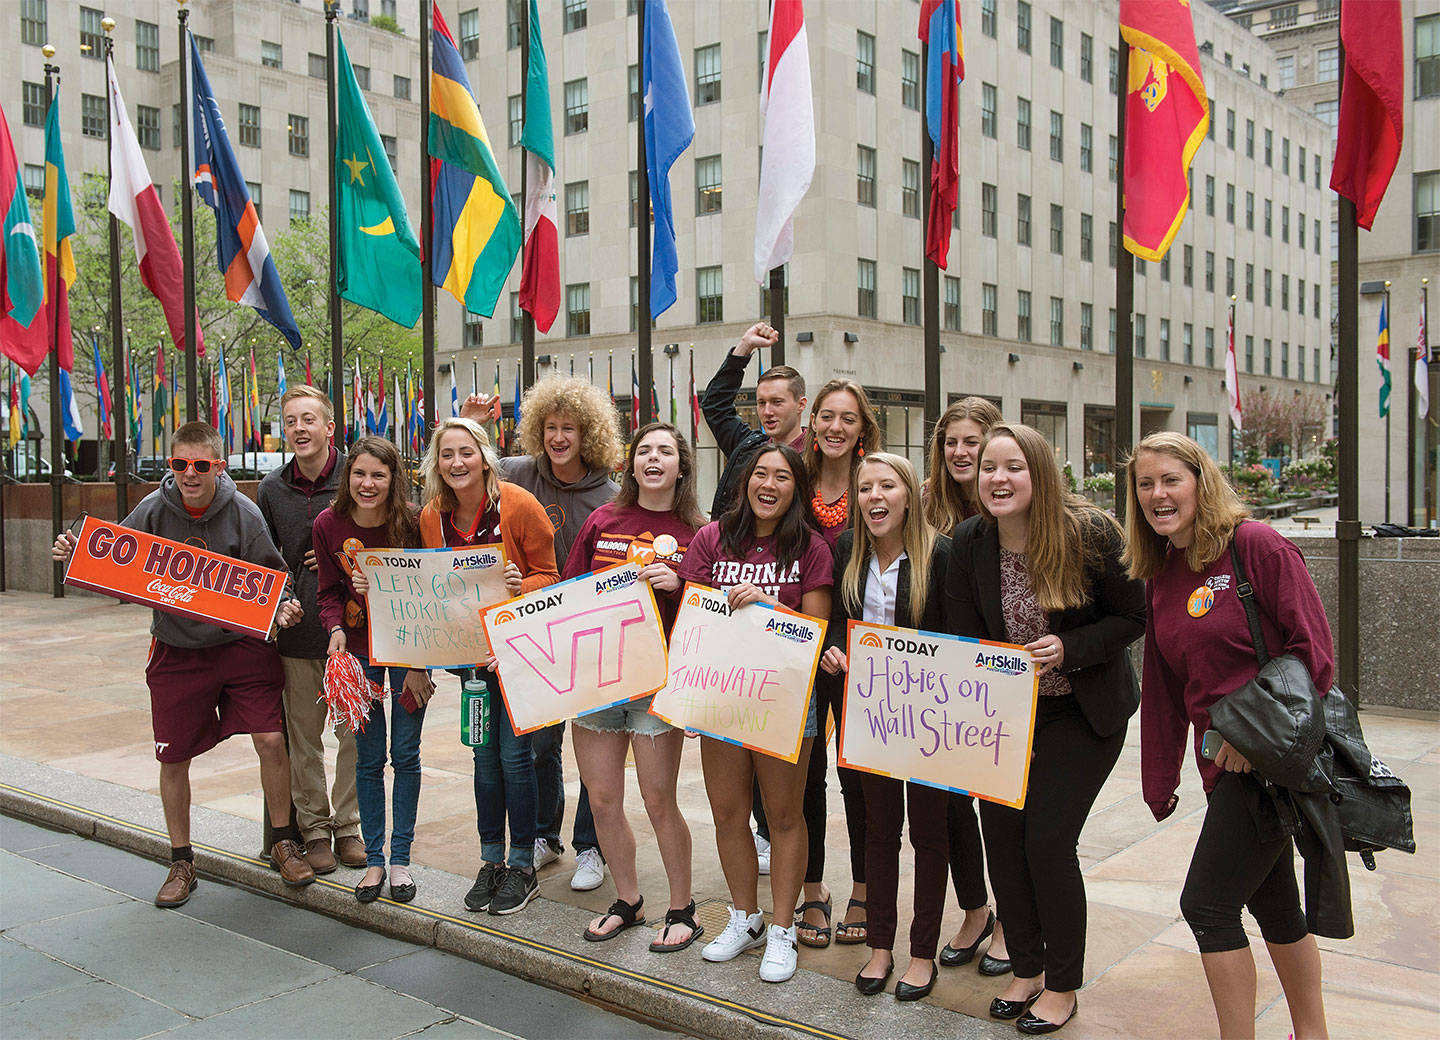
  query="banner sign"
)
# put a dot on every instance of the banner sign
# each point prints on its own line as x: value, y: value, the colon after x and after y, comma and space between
x: 175, y: 577
x: 424, y: 604
x: 744, y: 676
x: 577, y: 647
x: 940, y: 710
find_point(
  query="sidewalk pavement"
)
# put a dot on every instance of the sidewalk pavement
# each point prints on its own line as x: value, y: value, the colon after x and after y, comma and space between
x: 75, y: 750
x: 84, y: 953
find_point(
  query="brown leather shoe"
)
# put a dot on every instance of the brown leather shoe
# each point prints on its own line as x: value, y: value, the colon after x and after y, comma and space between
x: 351, y: 850
x: 287, y: 857
x: 319, y: 856
x: 178, y: 886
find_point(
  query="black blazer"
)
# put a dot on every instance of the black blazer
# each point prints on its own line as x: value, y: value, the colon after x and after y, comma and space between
x: 1095, y: 636
x: 932, y: 620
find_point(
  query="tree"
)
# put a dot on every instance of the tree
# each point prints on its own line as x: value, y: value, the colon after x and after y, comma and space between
x: 1277, y: 424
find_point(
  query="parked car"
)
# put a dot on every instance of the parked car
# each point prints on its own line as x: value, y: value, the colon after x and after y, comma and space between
x: 144, y: 469
x: 20, y: 469
x: 252, y: 465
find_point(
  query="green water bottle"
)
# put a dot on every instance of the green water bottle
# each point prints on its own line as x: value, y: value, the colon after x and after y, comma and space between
x: 475, y: 713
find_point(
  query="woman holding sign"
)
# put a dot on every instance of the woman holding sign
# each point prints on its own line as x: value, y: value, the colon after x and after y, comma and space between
x: 765, y: 549
x: 467, y: 504
x: 373, y: 511
x: 876, y: 581
x: 651, y: 522
x: 1041, y: 567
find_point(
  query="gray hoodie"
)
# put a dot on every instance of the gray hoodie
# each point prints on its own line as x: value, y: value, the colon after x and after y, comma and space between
x: 567, y: 505
x: 232, y: 526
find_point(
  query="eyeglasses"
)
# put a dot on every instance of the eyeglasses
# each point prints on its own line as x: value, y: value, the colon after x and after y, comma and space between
x: 201, y: 465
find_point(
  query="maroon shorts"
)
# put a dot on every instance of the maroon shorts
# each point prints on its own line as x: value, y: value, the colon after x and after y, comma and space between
x: 200, y: 697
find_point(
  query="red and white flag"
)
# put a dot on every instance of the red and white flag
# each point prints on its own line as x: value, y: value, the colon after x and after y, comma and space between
x: 788, y: 160
x: 540, y: 271
x: 1232, y: 373
x: 133, y: 200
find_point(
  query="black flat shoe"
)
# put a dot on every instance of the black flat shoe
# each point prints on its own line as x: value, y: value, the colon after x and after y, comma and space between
x: 994, y: 966
x: 403, y: 893
x: 905, y: 991
x: 370, y: 893
x: 870, y: 986
x: 953, y: 957
x: 1009, y: 1009
x: 1032, y: 1026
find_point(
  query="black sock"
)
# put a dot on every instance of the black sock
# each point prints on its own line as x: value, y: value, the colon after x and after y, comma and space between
x: 282, y: 833
x: 184, y: 852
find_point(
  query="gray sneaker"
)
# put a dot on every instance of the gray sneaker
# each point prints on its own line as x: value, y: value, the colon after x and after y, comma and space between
x: 515, y: 892
x: 487, y: 883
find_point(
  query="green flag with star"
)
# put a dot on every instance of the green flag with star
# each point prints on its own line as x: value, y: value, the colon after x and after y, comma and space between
x: 377, y: 260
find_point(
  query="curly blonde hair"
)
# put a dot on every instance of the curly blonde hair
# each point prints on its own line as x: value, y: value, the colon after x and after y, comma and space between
x: 1218, y: 509
x: 601, y: 444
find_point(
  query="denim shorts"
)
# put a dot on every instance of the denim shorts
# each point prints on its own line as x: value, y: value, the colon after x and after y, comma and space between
x: 812, y: 718
x: 630, y: 717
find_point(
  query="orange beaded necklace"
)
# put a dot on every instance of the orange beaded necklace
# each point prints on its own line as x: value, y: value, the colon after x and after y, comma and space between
x: 832, y: 515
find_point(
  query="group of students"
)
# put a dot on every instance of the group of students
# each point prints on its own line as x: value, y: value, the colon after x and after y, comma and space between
x: 816, y: 517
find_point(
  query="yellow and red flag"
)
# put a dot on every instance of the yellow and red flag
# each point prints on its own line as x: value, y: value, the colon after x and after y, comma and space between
x: 1372, y: 120
x: 1166, y: 116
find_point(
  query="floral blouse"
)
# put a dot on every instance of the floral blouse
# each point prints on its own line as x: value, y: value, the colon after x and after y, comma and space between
x: 1025, y: 622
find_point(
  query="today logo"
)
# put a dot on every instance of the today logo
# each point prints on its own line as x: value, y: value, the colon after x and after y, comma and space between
x: 871, y: 639
x: 396, y: 562
x: 372, y: 561
x: 503, y: 616
x: 694, y: 599
x: 912, y: 646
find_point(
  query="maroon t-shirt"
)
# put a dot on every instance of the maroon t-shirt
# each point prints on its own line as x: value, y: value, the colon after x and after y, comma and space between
x: 339, y: 603
x: 618, y: 534
x: 706, y: 562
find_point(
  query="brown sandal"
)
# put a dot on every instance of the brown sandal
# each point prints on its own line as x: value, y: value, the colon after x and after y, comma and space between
x: 845, y: 931
x: 685, y: 916
x: 629, y: 914
x: 822, y: 934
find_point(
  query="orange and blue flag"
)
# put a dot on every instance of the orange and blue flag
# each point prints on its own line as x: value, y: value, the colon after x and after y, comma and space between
x: 475, y: 234
x: 940, y: 29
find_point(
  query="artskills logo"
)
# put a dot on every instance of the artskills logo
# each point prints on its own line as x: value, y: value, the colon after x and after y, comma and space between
x: 870, y: 639
x: 615, y: 581
x: 795, y: 631
x: 1006, y: 664
x: 474, y: 562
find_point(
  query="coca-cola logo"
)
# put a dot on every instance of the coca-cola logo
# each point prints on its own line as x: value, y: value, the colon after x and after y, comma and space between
x: 171, y: 593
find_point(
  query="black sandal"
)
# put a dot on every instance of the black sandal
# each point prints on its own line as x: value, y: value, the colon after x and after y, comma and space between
x: 844, y: 931
x: 629, y: 914
x: 822, y: 934
x: 686, y: 917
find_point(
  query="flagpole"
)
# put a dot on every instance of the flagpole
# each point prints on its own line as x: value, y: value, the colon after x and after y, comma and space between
x: 117, y: 403
x: 1389, y: 409
x: 1411, y: 355
x: 931, y: 315
x: 690, y: 405
x: 337, y: 350
x: 427, y: 282
x: 1422, y: 348
x: 1124, y: 295
x: 187, y: 215
x: 642, y: 237
x: 1347, y: 393
x: 57, y: 435
x: 1230, y: 349
x: 527, y: 320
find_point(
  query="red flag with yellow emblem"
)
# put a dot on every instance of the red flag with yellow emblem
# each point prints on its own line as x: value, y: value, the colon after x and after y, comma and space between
x: 1166, y: 117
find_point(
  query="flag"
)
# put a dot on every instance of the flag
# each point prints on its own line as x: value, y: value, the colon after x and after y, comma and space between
x: 377, y: 258
x: 1382, y: 358
x: 1232, y: 372
x: 175, y: 394
x: 540, y: 271
x: 134, y: 202
x: 242, y: 251
x: 788, y: 148
x: 495, y: 412
x: 22, y: 279
x: 17, y: 414
x: 634, y: 397
x: 132, y: 400
x: 244, y: 409
x: 357, y: 404
x: 214, y: 400
x: 669, y: 129
x: 399, y: 407
x: 309, y: 379
x: 227, y: 433
x: 945, y: 68
x: 694, y: 401
x: 382, y: 417
x: 1166, y: 115
x: 280, y: 372
x: 517, y: 396
x: 102, y: 389
x: 370, y: 427
x: 24, y: 404
x: 1422, y: 364
x: 1372, y: 119
x: 161, y: 407
x: 70, y: 409
x: 255, y: 403
x: 29, y: 346
x: 475, y: 229
x: 454, y: 393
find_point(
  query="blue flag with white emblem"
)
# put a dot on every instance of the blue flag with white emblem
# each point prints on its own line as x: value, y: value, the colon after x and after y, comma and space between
x: 669, y: 129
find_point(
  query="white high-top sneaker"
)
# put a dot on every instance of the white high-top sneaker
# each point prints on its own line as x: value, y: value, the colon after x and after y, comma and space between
x: 778, y: 964
x: 744, y: 932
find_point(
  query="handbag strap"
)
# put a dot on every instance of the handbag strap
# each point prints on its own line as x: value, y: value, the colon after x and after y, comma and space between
x: 1246, y: 592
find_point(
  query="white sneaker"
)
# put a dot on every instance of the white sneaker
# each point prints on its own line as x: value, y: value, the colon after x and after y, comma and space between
x: 744, y: 932
x: 778, y: 964
x: 762, y: 853
x: 544, y: 853
x: 589, y: 871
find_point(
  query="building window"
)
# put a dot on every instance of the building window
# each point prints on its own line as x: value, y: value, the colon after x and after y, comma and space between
x: 1057, y: 136
x: 910, y: 295
x: 362, y: 75
x: 1229, y: 276
x: 1209, y: 271
x: 1300, y: 363
x: 1269, y: 291
x: 577, y: 208
x: 360, y: 10
x: 1300, y: 164
x: 256, y: 197
x: 1249, y: 211
x: 1285, y: 156
x: 910, y: 187
x: 1022, y: 315
x: 249, y: 125
x: 577, y: 110
x: 1057, y: 229
x: 392, y: 152
x: 576, y: 15
x: 987, y: 18
x: 707, y: 185
x: 1284, y: 360
x: 1285, y: 67
x: 1022, y: 219
x: 1087, y: 237
x: 299, y: 131
x: 33, y: 22
x: 865, y: 62
x: 1268, y: 214
x: 1164, y: 339
x: 1057, y: 322
x: 470, y: 34
x: 709, y: 295
x: 1114, y: 245
x: 951, y: 316
x: 1114, y: 160
x: 1269, y: 148
x: 577, y: 309
x: 1022, y: 123
x: 1427, y: 56
x: 988, y: 104
x: 707, y: 74
x: 988, y: 206
x: 1249, y: 354
x: 1210, y: 348
x: 1230, y: 203
x: 92, y: 33
x: 1427, y: 212
x: 1188, y: 266
x: 1315, y: 359
x: 1022, y: 26
x: 33, y: 104
x: 402, y: 88
x: 1284, y: 223
x: 1300, y: 231
x: 1139, y: 335
x: 147, y: 126
x: 1057, y: 43
x: 272, y: 55
x: 763, y: 39
x: 1087, y: 58
x: 865, y: 176
x: 92, y: 115
x: 1230, y: 129
x: 1315, y: 228
x: 205, y: 44
x: 1114, y: 72
x: 474, y: 334
x: 1249, y: 138
x: 147, y: 46
x: 317, y: 66
x: 1049, y: 418
x: 865, y: 281
x: 1300, y: 297
x: 1249, y: 283
x: 299, y: 205
x: 1112, y: 330
x: 1327, y: 66
x: 1209, y: 195
x: 1267, y: 358
x: 910, y: 79
x: 515, y: 109
x: 989, y: 308
x: 1087, y: 323
x: 1087, y: 147
x: 513, y: 15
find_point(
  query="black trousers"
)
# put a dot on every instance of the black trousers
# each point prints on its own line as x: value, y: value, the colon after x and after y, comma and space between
x: 1039, y: 891
x: 967, y: 854
x: 1241, y: 859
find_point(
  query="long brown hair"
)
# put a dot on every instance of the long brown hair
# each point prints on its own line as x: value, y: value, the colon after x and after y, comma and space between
x: 401, y: 528
x: 1061, y: 539
x: 869, y: 440
x: 1218, y: 510
x: 946, y: 501
x: 686, y: 507
x: 917, y: 536
x: 792, y: 533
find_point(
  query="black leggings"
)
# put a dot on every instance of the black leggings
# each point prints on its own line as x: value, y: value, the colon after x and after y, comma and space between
x: 1241, y: 859
x: 967, y: 855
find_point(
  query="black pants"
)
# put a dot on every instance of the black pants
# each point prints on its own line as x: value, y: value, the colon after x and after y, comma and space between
x: 1241, y: 858
x: 830, y: 696
x: 890, y: 801
x: 1039, y: 891
x: 967, y: 854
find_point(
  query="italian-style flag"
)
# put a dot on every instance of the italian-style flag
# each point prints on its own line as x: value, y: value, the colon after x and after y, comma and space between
x: 540, y: 276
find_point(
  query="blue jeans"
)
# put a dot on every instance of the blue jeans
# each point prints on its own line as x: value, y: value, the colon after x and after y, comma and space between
x: 550, y: 776
x: 505, y: 787
x: 370, y: 771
